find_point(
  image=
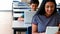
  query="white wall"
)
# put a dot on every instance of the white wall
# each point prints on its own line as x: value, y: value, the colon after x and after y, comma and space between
x: 40, y: 1
x: 6, y: 22
x: 6, y: 4
x: 17, y: 0
x: 57, y: 1
x: 23, y: 0
x: 6, y: 16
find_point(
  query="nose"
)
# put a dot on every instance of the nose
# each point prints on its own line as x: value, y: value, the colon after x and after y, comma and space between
x: 34, y: 6
x: 50, y: 8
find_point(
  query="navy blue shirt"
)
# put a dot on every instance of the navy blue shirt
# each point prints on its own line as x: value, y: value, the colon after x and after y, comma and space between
x: 42, y: 21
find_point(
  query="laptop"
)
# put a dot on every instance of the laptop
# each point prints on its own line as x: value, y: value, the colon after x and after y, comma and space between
x: 52, y: 29
x: 28, y: 15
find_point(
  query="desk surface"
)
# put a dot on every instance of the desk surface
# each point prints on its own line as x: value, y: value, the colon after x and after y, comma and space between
x: 17, y: 24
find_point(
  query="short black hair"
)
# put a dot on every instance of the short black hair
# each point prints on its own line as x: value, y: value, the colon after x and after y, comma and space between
x: 41, y: 9
x: 34, y: 2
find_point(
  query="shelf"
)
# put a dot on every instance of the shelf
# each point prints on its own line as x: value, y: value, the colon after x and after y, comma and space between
x: 18, y: 10
x: 17, y: 14
x: 21, y: 7
x: 58, y: 7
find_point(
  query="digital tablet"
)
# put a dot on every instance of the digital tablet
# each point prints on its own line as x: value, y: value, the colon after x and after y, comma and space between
x: 52, y: 30
x: 28, y: 15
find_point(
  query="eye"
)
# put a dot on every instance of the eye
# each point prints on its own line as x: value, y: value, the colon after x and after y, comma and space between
x: 52, y: 6
x: 47, y: 6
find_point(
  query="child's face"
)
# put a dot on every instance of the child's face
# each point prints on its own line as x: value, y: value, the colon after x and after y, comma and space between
x: 49, y: 8
x: 33, y: 6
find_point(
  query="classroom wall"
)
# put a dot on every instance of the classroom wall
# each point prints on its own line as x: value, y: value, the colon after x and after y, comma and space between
x: 6, y: 22
x: 25, y: 0
x: 6, y: 16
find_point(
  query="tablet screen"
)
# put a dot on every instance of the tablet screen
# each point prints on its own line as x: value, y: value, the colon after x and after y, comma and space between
x: 52, y: 30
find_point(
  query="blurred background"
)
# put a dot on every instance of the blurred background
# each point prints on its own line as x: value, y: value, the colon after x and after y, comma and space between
x: 6, y: 14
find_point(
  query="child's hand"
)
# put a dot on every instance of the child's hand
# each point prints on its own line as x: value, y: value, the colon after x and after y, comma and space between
x: 20, y: 19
